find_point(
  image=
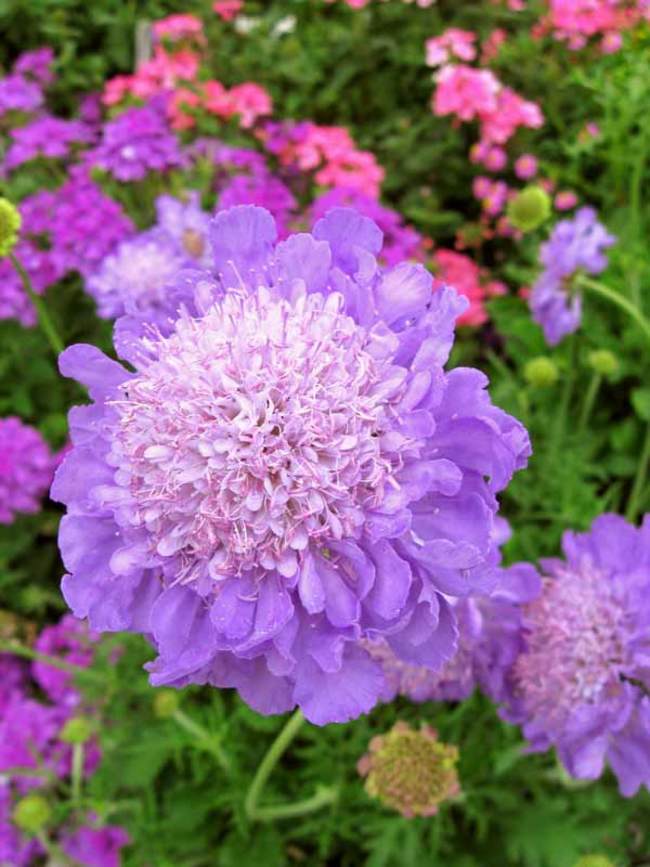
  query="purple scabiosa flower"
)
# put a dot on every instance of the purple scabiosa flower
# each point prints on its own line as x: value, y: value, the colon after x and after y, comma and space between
x: 70, y: 640
x: 96, y: 847
x: 287, y: 472
x: 582, y: 682
x: 37, y: 65
x: 137, y: 142
x: 26, y: 468
x: 260, y: 188
x: 400, y: 241
x: 19, y: 94
x: 47, y: 137
x: 187, y: 226
x: 137, y: 276
x: 575, y: 245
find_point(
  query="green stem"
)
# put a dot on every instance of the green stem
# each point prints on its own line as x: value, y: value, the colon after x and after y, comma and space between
x: 590, y: 398
x: 638, y: 488
x: 322, y: 796
x: 617, y: 299
x: 565, y: 401
x: 29, y: 653
x: 77, y: 773
x: 43, y: 316
x: 205, y: 739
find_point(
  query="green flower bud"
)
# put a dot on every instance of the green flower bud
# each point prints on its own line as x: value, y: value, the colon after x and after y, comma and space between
x: 77, y: 730
x: 410, y: 771
x: 541, y: 372
x: 165, y: 703
x: 603, y: 361
x: 10, y: 221
x: 32, y: 813
x: 594, y: 861
x: 529, y: 209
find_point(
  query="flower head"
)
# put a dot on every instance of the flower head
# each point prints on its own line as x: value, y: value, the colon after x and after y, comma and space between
x: 36, y: 65
x: 581, y: 682
x: 19, y: 94
x: 410, y: 771
x: 576, y: 244
x: 26, y: 468
x: 286, y: 471
x: 47, y: 137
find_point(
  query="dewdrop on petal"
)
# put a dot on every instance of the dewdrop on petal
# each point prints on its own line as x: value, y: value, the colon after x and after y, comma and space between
x: 529, y: 209
x: 10, y: 221
x: 410, y: 771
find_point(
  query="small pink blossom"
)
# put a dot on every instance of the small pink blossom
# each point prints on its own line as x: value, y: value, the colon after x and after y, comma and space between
x: 565, y: 200
x: 526, y: 167
x: 176, y: 28
x: 466, y: 92
x: 452, y: 43
x: 227, y: 9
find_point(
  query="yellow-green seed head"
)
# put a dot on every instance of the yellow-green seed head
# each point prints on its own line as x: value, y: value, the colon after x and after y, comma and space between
x: 603, y: 361
x: 10, y: 221
x: 541, y: 372
x: 32, y: 813
x: 529, y: 209
x: 594, y: 861
x: 165, y: 703
x: 77, y: 730
x: 410, y: 771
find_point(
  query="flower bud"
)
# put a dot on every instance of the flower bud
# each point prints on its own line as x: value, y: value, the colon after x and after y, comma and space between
x: 10, y: 221
x: 541, y: 372
x: 76, y: 731
x: 165, y: 703
x: 32, y: 813
x: 594, y: 861
x: 603, y: 361
x: 529, y: 209
x: 410, y: 771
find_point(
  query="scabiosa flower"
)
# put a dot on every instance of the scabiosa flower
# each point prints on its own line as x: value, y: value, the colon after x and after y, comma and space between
x: 48, y: 137
x: 25, y: 468
x: 582, y: 683
x: 257, y: 514
x: 410, y: 771
x: 575, y: 244
x: 137, y: 142
x: 19, y: 94
x: 187, y: 224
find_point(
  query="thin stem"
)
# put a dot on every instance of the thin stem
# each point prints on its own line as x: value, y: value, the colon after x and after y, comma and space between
x: 638, y: 488
x: 319, y: 799
x: 590, y: 398
x: 323, y: 796
x: 43, y: 316
x: 77, y: 773
x: 616, y: 298
x: 565, y: 401
x: 206, y: 740
x: 29, y: 653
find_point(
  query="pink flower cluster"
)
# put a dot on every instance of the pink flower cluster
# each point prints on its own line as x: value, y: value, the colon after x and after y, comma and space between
x: 466, y: 277
x: 173, y: 71
x: 452, y: 43
x: 577, y: 21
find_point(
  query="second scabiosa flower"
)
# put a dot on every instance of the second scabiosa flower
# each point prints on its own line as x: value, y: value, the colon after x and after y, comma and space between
x: 288, y: 472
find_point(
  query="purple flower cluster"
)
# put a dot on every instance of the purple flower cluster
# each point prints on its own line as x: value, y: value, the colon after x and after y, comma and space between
x: 48, y: 137
x: 287, y: 472
x: 582, y: 683
x: 400, y: 241
x: 36, y: 65
x: 137, y: 142
x: 575, y: 245
x: 263, y: 189
x: 19, y: 94
x: 34, y: 755
x: 26, y: 468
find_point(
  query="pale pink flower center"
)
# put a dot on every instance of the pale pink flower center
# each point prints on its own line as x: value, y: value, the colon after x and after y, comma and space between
x: 256, y: 429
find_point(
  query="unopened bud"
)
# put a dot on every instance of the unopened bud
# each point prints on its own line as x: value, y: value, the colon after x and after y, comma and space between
x: 10, y: 221
x: 165, y: 703
x: 76, y: 731
x: 541, y: 372
x: 529, y: 209
x: 32, y: 813
x: 603, y: 361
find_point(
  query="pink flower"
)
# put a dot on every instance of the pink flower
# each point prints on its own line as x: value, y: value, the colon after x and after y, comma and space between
x: 182, y: 99
x: 452, y: 43
x: 227, y: 9
x: 250, y: 101
x: 464, y: 275
x: 526, y: 167
x: 509, y: 113
x: 565, y: 200
x: 216, y: 99
x: 176, y: 28
x: 466, y: 92
x: 492, y: 45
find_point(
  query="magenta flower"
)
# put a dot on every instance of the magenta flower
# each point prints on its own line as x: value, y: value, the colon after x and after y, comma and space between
x: 37, y: 65
x: 582, y: 683
x: 71, y: 641
x: 96, y: 847
x: 47, y: 137
x: 19, y: 94
x: 26, y: 467
x: 288, y: 472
